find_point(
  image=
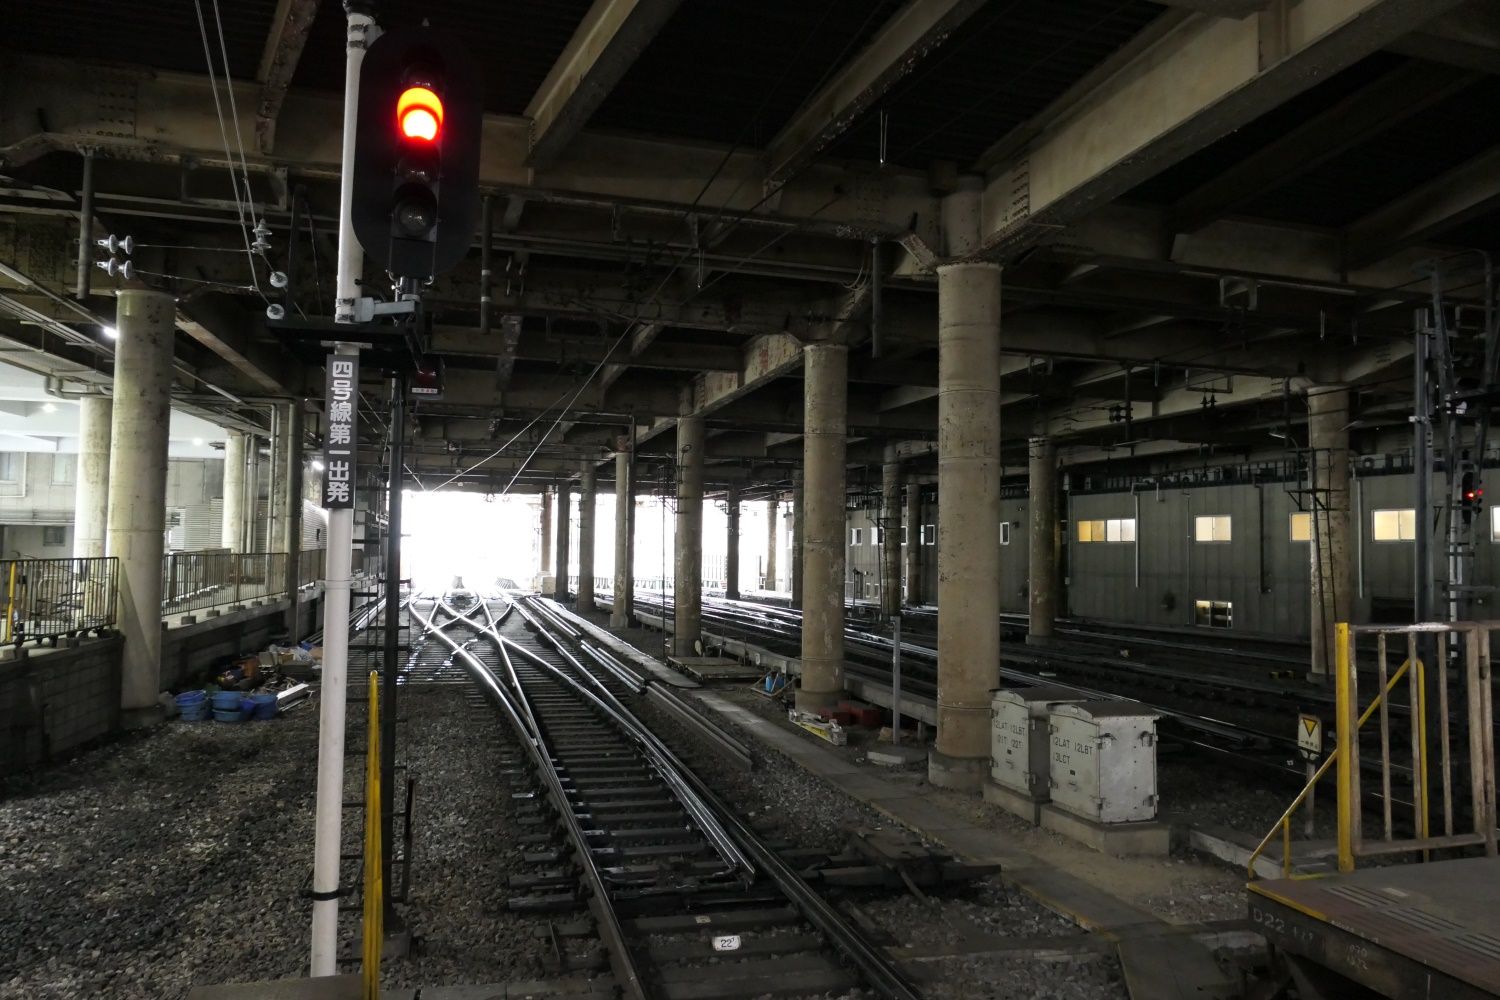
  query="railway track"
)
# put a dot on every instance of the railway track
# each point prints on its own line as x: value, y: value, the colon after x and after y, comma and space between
x: 687, y: 901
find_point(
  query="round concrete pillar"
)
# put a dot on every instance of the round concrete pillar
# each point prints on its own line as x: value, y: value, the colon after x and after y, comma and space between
x: 624, y: 590
x: 687, y: 575
x: 544, y: 561
x: 890, y: 534
x: 1332, y: 577
x: 91, y: 496
x: 968, y: 520
x: 232, y: 507
x: 799, y: 526
x: 913, y: 542
x: 824, y: 444
x: 773, y: 541
x: 564, y: 538
x: 586, y: 502
x: 138, y: 488
x: 732, y: 549
x: 1041, y: 540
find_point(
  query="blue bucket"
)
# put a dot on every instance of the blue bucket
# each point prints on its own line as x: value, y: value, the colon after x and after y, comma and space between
x: 189, y: 698
x: 195, y: 713
x: 265, y: 707
x: 220, y: 715
x: 226, y: 701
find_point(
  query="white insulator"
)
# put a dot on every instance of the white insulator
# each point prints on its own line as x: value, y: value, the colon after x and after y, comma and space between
x: 278, y: 279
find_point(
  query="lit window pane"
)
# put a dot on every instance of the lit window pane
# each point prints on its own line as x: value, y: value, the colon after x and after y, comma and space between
x: 1408, y: 525
x: 1301, y: 527
x: 1127, y: 530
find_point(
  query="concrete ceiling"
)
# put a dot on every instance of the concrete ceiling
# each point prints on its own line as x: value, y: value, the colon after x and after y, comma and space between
x: 665, y: 238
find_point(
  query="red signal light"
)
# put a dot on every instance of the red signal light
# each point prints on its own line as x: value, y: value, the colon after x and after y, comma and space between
x: 419, y: 114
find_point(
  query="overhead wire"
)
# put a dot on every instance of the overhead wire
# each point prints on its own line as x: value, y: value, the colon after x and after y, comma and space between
x: 234, y: 181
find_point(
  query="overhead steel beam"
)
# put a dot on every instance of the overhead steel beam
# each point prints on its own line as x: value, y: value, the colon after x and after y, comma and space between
x: 1463, y: 193
x: 278, y: 64
x: 219, y: 323
x: 611, y: 36
x: 49, y: 103
x: 1468, y: 38
x: 1203, y: 80
x: 1390, y: 100
x: 900, y: 44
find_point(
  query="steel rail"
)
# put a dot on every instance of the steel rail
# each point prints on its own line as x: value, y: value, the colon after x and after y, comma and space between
x: 621, y: 958
x: 874, y: 966
x: 655, y: 690
x: 666, y: 764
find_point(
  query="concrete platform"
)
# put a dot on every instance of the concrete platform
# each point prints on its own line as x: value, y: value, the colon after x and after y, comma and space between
x: 716, y: 668
x: 1018, y: 804
x: 1122, y: 839
x: 1417, y: 930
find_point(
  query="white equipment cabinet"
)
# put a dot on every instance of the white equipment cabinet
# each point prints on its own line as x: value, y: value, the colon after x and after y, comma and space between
x: 1019, y: 737
x: 1103, y: 761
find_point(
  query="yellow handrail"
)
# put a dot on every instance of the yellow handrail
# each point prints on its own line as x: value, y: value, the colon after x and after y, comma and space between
x: 1284, y: 824
x: 374, y: 914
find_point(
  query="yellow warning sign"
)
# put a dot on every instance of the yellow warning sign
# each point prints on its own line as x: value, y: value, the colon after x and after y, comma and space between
x: 1310, y: 734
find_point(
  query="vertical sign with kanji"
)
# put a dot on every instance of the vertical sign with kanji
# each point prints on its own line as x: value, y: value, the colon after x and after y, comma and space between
x: 338, y: 448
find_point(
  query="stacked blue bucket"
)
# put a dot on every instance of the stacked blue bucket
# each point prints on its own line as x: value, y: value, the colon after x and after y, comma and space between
x: 193, y: 705
x: 227, y: 707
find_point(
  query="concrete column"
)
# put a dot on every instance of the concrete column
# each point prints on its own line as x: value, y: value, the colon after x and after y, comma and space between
x: 291, y: 539
x: 799, y: 525
x: 824, y: 442
x: 138, y: 489
x: 968, y: 502
x: 1041, y: 540
x: 91, y: 496
x: 586, y: 502
x: 624, y: 599
x: 687, y: 573
x: 732, y: 551
x: 1332, y: 577
x: 890, y: 533
x: 545, y: 560
x: 232, y: 508
x: 773, y: 530
x: 252, y: 494
x: 913, y: 541
x: 564, y: 537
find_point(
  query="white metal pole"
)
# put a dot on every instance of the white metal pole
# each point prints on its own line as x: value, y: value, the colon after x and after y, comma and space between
x: 330, y: 795
x: 895, y: 678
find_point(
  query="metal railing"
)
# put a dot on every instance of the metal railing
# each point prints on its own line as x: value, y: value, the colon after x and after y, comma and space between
x: 1464, y: 645
x: 192, y: 581
x: 311, y: 566
x: 46, y: 599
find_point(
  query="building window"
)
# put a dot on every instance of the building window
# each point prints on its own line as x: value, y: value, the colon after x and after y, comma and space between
x: 1299, y: 527
x: 1214, y: 614
x: 877, y: 535
x: 856, y: 536
x: 905, y: 531
x: 929, y: 534
x: 53, y: 537
x: 12, y: 466
x: 1114, y: 529
x: 1004, y: 532
x: 64, y: 470
x: 1495, y: 524
x: 1393, y: 525
x: 1211, y: 528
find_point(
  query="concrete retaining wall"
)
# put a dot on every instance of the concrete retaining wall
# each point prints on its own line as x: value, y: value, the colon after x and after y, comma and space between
x: 55, y: 700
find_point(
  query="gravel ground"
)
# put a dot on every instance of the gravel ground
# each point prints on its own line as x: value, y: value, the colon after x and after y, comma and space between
x: 166, y: 859
x: 177, y: 857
